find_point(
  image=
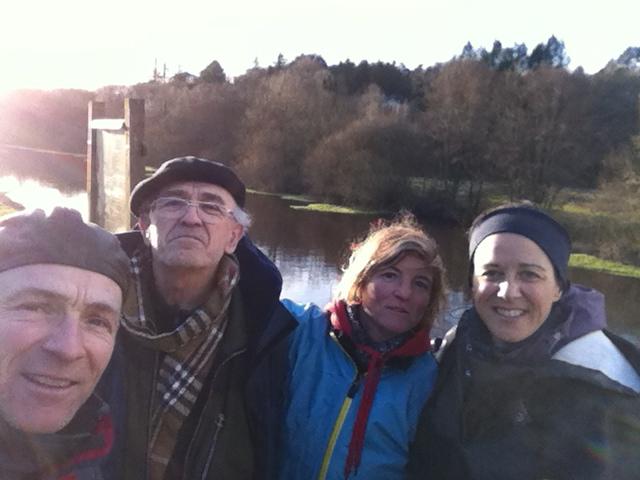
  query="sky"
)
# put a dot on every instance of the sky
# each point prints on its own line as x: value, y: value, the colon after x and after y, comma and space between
x: 89, y: 44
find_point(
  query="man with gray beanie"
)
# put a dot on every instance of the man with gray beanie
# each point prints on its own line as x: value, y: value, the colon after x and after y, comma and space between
x: 62, y: 282
x: 198, y: 376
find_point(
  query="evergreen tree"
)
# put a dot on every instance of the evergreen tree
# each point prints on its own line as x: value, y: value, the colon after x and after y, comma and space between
x: 213, y: 73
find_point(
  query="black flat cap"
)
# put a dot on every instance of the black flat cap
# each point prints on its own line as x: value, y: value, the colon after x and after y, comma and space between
x: 185, y: 169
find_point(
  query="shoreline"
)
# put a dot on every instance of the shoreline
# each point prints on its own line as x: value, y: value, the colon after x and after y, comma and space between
x: 577, y: 260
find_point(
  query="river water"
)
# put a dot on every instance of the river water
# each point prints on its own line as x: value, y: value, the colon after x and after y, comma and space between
x: 308, y: 248
x: 32, y: 194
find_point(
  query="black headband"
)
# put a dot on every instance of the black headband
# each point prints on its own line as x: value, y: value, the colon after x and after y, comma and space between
x: 537, y: 226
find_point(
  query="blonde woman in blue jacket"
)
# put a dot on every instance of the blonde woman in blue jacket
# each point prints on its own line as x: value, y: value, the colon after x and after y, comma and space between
x: 362, y: 371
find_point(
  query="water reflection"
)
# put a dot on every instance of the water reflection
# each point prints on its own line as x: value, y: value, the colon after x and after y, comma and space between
x: 31, y: 194
x: 309, y: 247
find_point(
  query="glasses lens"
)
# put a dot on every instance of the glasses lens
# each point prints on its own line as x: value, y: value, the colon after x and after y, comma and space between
x: 169, y: 205
x: 212, y: 210
x: 172, y: 207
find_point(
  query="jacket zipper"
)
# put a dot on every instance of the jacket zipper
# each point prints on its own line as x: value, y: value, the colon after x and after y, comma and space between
x: 150, y: 414
x: 342, y: 415
x: 220, y: 419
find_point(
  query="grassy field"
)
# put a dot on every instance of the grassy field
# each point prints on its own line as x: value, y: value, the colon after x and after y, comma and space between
x: 328, y: 207
x: 604, y: 225
x: 284, y: 196
x: 589, y: 262
x: 313, y: 206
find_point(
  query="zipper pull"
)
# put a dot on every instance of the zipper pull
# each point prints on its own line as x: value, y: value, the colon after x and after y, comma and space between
x: 353, y: 389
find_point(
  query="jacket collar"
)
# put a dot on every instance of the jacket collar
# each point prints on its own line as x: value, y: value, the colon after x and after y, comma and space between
x: 578, y: 312
x: 415, y: 345
x: 89, y: 436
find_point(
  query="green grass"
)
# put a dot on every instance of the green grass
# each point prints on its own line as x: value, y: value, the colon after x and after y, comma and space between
x: 296, y: 198
x: 283, y: 196
x: 261, y: 192
x: 495, y: 199
x: 312, y: 206
x: 589, y: 262
x: 574, y: 208
x: 327, y: 207
x: 603, y: 223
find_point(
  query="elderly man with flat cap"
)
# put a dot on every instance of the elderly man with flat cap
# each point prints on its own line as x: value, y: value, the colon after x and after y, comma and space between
x: 198, y: 379
x: 62, y: 282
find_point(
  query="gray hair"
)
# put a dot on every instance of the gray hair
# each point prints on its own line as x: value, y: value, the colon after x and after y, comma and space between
x: 242, y: 217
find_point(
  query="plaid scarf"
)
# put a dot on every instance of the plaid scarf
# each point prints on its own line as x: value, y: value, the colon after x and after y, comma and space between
x: 187, y: 354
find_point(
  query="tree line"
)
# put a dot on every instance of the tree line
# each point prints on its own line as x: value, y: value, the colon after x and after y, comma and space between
x: 441, y: 140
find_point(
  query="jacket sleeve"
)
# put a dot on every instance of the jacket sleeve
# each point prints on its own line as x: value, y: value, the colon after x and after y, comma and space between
x: 304, y: 313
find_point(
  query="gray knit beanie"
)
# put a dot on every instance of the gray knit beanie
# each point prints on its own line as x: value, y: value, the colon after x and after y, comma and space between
x: 63, y: 238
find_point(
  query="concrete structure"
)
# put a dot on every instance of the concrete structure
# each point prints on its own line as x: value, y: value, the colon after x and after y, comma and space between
x: 114, y: 163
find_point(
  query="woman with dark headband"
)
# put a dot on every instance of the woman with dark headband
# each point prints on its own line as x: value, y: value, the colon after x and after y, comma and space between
x: 531, y: 384
x: 361, y: 372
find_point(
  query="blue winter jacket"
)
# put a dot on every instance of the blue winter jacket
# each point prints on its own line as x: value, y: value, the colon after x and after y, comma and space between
x: 320, y: 415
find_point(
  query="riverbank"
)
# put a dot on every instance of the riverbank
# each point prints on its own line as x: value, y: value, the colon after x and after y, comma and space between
x: 331, y: 208
x: 310, y: 204
x: 594, y: 233
x: 605, y: 226
x: 589, y: 262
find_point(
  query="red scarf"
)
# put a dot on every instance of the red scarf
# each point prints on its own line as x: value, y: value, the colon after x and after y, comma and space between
x: 416, y: 345
x: 104, y: 428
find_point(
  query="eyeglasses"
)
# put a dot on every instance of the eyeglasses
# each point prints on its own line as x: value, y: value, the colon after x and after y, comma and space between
x: 174, y: 207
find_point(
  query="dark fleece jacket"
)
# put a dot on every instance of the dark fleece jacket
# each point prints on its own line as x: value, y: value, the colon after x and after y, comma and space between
x: 515, y: 412
x: 74, y: 453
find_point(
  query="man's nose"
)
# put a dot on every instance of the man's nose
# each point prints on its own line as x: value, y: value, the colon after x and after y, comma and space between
x: 65, y: 339
x: 191, y: 215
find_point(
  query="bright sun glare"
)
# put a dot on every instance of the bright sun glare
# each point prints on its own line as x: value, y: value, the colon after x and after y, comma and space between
x: 79, y: 44
x: 32, y: 194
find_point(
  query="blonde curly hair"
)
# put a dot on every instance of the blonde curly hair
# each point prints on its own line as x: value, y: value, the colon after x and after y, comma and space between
x: 387, y: 243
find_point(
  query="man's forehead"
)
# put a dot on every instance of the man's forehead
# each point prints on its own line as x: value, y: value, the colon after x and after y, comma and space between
x: 61, y: 280
x: 198, y: 190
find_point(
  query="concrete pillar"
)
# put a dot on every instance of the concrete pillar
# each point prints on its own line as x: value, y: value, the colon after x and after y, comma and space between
x: 134, y: 124
x: 95, y: 110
